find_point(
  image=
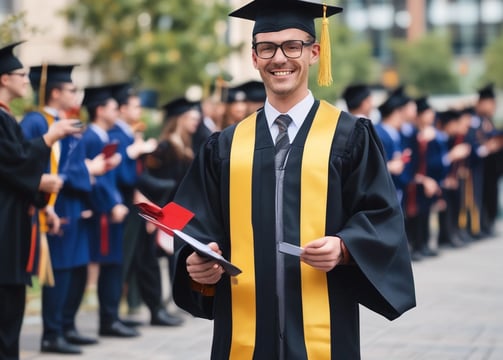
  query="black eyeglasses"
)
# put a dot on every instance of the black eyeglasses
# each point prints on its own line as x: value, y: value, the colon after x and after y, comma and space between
x: 22, y: 74
x: 292, y: 49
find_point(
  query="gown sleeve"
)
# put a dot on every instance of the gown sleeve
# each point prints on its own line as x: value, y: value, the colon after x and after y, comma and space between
x: 200, y: 192
x: 374, y: 231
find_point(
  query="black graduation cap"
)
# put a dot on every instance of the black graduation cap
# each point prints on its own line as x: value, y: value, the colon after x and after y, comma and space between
x: 395, y: 100
x: 122, y: 91
x: 54, y: 74
x: 277, y: 15
x: 9, y: 62
x: 254, y: 91
x: 179, y: 106
x: 355, y: 94
x: 445, y: 117
x: 148, y: 98
x: 422, y: 104
x: 234, y: 94
x: 487, y: 92
x: 272, y: 16
x: 95, y: 96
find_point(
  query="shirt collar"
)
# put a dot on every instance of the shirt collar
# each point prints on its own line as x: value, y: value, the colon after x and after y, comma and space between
x: 298, y: 113
x: 102, y: 134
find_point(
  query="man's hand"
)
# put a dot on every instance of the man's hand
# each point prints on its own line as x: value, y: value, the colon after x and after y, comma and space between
x: 118, y: 213
x: 50, y: 183
x: 60, y: 129
x: 204, y: 270
x: 53, y: 220
x: 324, y: 253
x: 96, y: 166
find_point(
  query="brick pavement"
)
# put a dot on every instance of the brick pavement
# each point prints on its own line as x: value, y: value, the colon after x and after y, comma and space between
x: 458, y: 316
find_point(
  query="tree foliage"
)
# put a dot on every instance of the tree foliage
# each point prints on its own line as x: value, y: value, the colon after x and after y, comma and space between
x: 352, y: 62
x: 426, y: 64
x: 165, y: 45
x: 493, y: 56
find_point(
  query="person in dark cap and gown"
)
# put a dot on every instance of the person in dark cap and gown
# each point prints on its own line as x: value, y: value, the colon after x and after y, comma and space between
x: 68, y: 245
x: 492, y: 164
x: 24, y: 186
x: 297, y: 217
x: 389, y: 132
x: 358, y: 98
x: 255, y: 95
x: 106, y: 225
x: 163, y: 171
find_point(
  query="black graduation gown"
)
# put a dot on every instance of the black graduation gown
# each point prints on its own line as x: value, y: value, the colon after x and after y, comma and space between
x: 22, y: 164
x: 362, y: 209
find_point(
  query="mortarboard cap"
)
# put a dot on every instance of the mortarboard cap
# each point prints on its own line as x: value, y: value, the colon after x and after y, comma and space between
x: 395, y: 100
x: 272, y: 16
x: 234, y: 94
x: 254, y: 91
x: 487, y: 92
x: 97, y: 95
x: 445, y: 117
x: 148, y: 98
x: 422, y: 104
x: 9, y: 62
x: 179, y: 106
x: 122, y: 91
x: 54, y: 74
x: 355, y: 94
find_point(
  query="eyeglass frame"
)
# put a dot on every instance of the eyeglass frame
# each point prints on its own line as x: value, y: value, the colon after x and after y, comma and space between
x: 22, y: 74
x: 276, y: 46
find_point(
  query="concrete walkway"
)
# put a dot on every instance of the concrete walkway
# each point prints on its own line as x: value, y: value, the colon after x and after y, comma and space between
x: 459, y: 316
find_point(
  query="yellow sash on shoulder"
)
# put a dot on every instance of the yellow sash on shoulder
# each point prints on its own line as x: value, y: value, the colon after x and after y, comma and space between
x: 314, y: 189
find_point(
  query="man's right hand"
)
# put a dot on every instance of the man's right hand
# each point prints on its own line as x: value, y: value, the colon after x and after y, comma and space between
x: 59, y: 130
x: 50, y: 183
x: 204, y: 270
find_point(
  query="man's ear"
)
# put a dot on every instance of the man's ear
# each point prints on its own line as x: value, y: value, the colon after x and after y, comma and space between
x: 315, y: 53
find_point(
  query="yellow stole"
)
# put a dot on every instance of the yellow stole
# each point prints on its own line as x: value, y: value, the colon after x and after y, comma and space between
x: 314, y: 188
x: 45, y: 274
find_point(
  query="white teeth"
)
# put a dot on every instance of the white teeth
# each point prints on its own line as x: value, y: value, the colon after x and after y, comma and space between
x: 282, y: 73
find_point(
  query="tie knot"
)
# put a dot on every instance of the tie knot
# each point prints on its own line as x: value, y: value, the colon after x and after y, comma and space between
x: 283, y: 121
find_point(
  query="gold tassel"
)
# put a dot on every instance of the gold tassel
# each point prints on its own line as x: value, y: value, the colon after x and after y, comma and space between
x: 45, y: 274
x: 325, y: 69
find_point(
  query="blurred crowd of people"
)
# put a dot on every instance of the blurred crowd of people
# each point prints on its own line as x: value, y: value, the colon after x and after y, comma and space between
x: 74, y: 194
x: 443, y: 163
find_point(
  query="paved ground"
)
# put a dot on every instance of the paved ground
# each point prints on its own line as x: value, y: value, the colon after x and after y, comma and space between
x: 459, y: 316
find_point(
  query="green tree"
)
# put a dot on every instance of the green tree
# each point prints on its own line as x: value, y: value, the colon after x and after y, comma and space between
x: 167, y: 45
x: 493, y: 56
x: 352, y: 62
x: 426, y: 65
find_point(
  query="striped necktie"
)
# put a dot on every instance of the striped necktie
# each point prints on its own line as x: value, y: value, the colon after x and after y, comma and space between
x: 282, y: 143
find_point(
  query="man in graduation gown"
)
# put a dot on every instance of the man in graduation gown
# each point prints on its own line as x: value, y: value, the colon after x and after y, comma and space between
x: 69, y: 249
x: 23, y: 184
x: 331, y: 195
x: 106, y: 225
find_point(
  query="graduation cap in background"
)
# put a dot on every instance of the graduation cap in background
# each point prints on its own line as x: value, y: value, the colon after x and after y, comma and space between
x: 445, y: 117
x: 396, y: 99
x: 8, y: 61
x: 273, y: 16
x: 355, y: 94
x: 487, y: 92
x: 234, y: 94
x: 148, y: 98
x: 179, y: 106
x: 50, y: 74
x: 254, y: 91
x: 122, y: 91
x: 95, y: 96
x: 422, y: 104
